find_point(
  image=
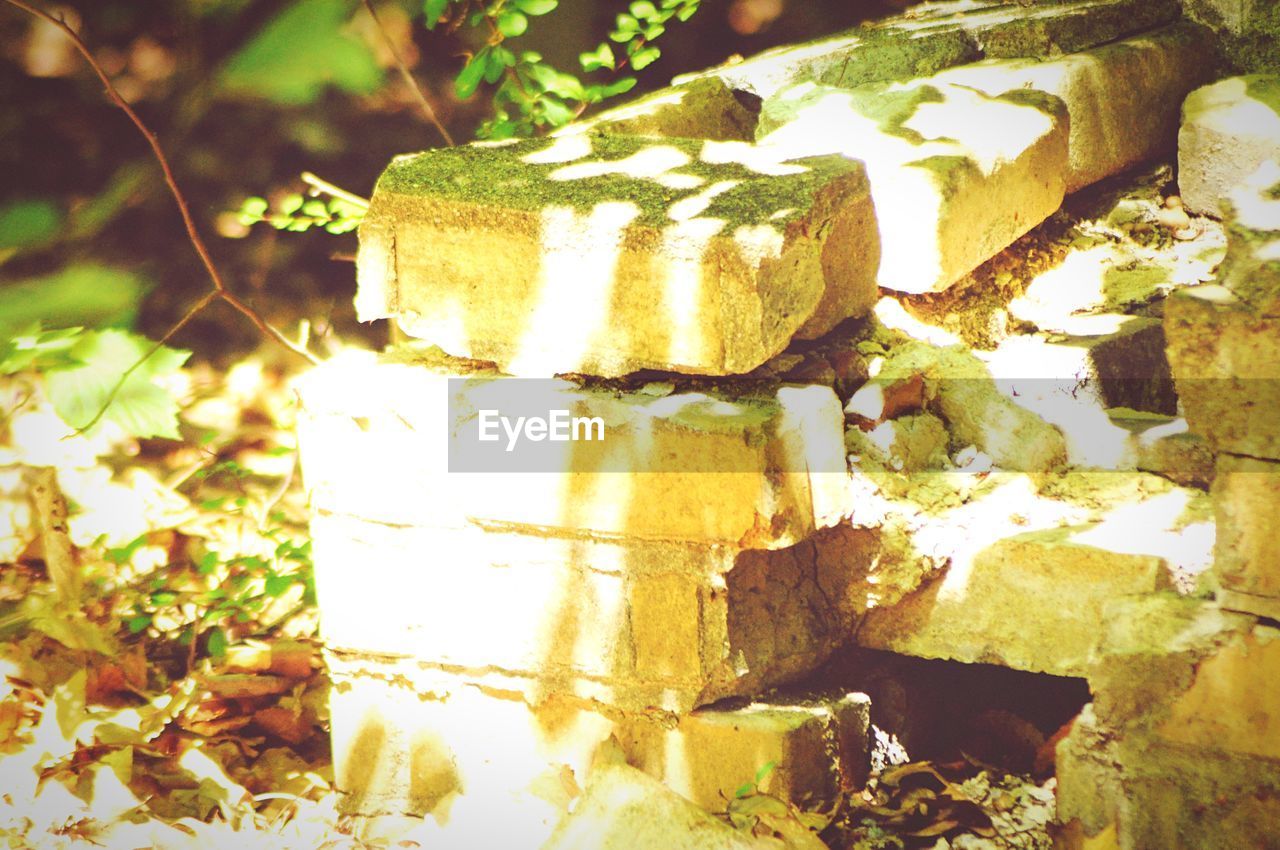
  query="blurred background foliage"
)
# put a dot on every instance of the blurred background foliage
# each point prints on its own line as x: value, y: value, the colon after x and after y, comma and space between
x: 245, y: 95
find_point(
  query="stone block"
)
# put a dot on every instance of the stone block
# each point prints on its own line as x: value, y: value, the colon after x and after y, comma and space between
x: 1073, y: 382
x: 1225, y: 358
x: 1246, y: 495
x: 1229, y: 129
x: 703, y: 108
x: 628, y: 624
x: 1089, y: 790
x: 1033, y: 601
x: 382, y: 439
x: 412, y: 740
x: 1232, y: 705
x: 1251, y: 268
x: 605, y: 255
x: 623, y: 809
x: 818, y: 748
x: 1124, y: 98
x: 949, y: 192
x: 931, y: 37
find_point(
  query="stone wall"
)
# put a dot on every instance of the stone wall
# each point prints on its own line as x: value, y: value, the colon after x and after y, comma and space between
x: 866, y: 373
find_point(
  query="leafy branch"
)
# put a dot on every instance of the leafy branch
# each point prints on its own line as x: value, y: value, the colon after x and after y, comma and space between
x: 532, y: 95
x: 218, y: 289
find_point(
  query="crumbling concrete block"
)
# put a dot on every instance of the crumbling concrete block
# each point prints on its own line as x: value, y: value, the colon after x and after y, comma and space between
x: 1229, y: 129
x: 394, y: 439
x: 408, y: 739
x: 623, y: 809
x: 703, y: 108
x: 949, y: 193
x: 1124, y: 98
x: 1032, y: 602
x: 1179, y: 747
x: 618, y: 253
x: 931, y: 37
x: 1225, y: 358
x: 1246, y: 496
x: 631, y: 624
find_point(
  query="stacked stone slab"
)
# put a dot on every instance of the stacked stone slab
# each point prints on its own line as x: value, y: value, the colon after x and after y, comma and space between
x: 493, y: 630
x: 1179, y: 747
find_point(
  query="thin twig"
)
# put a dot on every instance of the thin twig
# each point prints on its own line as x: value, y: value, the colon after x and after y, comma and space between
x: 407, y: 77
x: 321, y: 185
x: 193, y: 235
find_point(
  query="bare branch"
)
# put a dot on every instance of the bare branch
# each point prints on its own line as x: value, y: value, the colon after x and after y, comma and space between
x: 407, y: 77
x: 219, y: 289
x: 321, y: 185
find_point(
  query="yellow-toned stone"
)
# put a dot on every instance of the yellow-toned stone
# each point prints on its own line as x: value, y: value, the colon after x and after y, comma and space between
x: 1225, y: 357
x: 408, y: 739
x: 1123, y: 99
x: 949, y: 192
x: 632, y: 624
x: 377, y: 438
x: 1246, y: 495
x: 1233, y: 704
x: 605, y: 255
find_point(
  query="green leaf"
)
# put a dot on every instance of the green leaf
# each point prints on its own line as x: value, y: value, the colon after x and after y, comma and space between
x: 432, y: 10
x: 644, y: 57
x: 687, y: 11
x: 36, y: 348
x: 300, y: 52
x: 24, y: 224
x: 643, y: 9
x: 512, y: 24
x: 595, y: 94
x: 627, y: 26
x: 291, y: 204
x: 141, y: 407
x: 471, y: 74
x: 217, y: 644
x: 601, y: 57
x: 534, y: 8
x: 85, y: 295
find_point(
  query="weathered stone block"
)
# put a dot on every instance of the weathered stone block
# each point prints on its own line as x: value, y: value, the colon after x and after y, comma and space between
x: 703, y: 108
x: 818, y: 748
x: 1232, y: 705
x: 622, y: 809
x: 1033, y: 602
x: 1124, y: 99
x: 948, y: 192
x: 629, y: 624
x: 1229, y: 129
x: 931, y: 37
x: 1225, y: 358
x: 1251, y: 268
x: 409, y: 739
x: 1073, y: 382
x: 1246, y: 495
x: 380, y: 437
x: 616, y: 253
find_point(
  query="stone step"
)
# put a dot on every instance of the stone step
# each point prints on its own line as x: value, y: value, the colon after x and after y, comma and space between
x: 627, y: 624
x: 395, y: 439
x: 408, y: 739
x: 605, y: 255
x: 1035, y: 600
x: 950, y: 189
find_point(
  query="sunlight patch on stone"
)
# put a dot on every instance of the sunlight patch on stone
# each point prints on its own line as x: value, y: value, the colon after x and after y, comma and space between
x: 646, y: 164
x: 576, y: 280
x: 563, y: 149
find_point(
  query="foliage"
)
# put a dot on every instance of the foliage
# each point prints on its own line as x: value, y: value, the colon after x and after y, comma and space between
x: 298, y: 53
x: 296, y: 213
x: 531, y: 95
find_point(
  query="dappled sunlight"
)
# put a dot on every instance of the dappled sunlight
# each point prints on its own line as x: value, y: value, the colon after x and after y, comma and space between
x: 1256, y: 203
x: 892, y: 314
x: 921, y: 144
x: 576, y: 247
x: 649, y: 163
x: 1159, y: 526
